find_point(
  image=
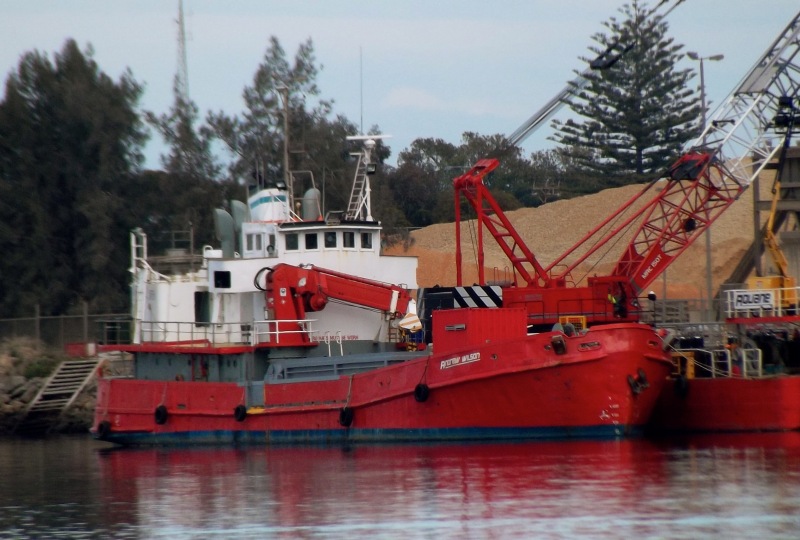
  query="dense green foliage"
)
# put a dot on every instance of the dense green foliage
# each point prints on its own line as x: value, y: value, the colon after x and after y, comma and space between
x: 636, y: 114
x: 69, y: 138
x: 71, y: 184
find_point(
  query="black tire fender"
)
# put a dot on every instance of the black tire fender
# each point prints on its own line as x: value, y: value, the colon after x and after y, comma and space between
x: 422, y: 392
x: 346, y: 416
x: 161, y: 415
x: 240, y: 413
x: 103, y: 429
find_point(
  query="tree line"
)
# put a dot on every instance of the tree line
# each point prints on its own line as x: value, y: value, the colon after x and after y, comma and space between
x: 72, y: 184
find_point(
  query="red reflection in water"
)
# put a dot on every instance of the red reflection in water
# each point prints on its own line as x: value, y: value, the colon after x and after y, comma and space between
x: 460, y: 488
x: 294, y: 486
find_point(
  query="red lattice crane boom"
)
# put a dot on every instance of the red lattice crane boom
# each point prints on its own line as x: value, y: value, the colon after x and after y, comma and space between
x: 740, y: 139
x: 738, y: 142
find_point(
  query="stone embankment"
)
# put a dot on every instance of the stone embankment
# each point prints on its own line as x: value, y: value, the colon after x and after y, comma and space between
x: 24, y: 368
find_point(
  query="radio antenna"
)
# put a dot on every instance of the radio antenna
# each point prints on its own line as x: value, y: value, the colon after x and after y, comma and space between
x: 361, y: 83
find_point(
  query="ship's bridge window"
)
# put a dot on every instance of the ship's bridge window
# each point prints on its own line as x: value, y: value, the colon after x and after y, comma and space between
x: 330, y: 239
x: 254, y: 242
x: 366, y: 240
x: 292, y: 243
x: 311, y: 241
x: 349, y: 239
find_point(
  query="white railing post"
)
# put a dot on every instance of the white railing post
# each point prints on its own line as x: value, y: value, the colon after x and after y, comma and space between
x: 339, y: 341
x: 327, y: 341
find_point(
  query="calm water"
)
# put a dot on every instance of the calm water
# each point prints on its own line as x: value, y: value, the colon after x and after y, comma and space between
x: 720, y: 487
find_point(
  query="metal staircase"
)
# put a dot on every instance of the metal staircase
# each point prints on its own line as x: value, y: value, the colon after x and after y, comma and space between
x: 56, y: 396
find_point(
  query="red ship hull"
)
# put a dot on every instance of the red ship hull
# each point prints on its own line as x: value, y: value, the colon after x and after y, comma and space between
x: 602, y: 383
x: 730, y: 404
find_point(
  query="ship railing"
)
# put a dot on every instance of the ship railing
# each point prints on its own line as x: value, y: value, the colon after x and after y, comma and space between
x: 736, y: 362
x: 721, y: 363
x: 270, y: 331
x: 196, y: 333
x: 760, y: 303
x: 216, y: 334
x: 703, y: 335
x: 329, y: 338
x: 752, y: 362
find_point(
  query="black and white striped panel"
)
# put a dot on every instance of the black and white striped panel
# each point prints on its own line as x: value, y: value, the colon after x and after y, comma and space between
x: 478, y: 296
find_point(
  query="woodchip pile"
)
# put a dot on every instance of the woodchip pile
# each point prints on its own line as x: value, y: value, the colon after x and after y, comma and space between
x: 551, y: 229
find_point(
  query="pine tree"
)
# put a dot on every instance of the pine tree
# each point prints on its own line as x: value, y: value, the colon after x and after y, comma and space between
x: 638, y: 112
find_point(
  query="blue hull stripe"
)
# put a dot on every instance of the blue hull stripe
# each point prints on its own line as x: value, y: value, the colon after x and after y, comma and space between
x: 226, y: 437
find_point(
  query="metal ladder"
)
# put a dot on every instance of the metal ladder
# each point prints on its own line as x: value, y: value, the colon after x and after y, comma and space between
x: 57, y: 395
x: 357, y: 193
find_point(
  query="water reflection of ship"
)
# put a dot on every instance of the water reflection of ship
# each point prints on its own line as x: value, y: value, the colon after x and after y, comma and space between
x: 288, y: 487
x: 297, y: 490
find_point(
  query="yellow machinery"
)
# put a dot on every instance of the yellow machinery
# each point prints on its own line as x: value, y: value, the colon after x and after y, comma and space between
x: 683, y: 362
x: 578, y: 321
x: 782, y: 282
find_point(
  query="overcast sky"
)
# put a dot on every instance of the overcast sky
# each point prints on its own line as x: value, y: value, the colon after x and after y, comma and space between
x: 427, y: 68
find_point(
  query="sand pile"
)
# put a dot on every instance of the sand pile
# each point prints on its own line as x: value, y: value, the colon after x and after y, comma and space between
x: 553, y: 228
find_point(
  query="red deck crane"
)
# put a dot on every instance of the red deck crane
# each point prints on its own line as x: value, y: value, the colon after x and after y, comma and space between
x: 293, y: 291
